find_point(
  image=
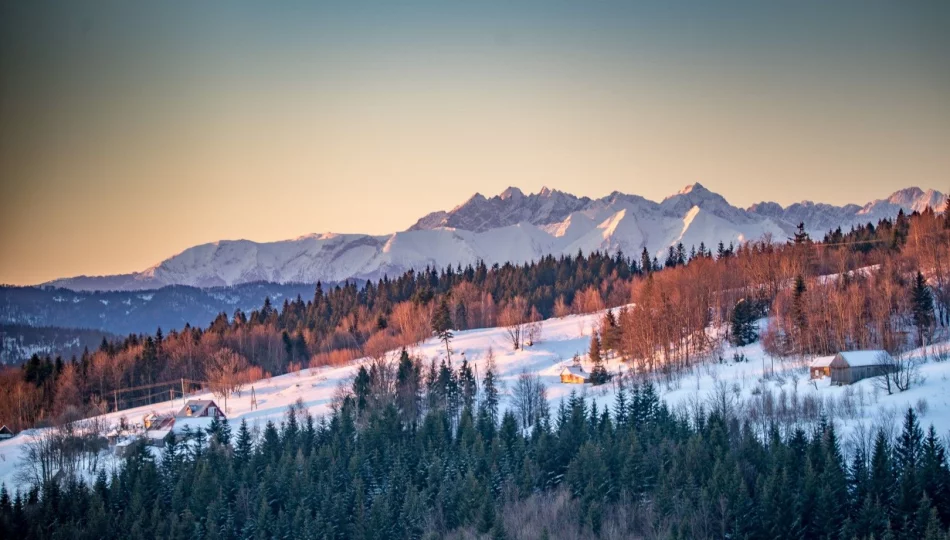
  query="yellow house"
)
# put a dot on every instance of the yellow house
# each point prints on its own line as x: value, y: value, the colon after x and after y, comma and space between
x: 821, y: 367
x: 573, y: 375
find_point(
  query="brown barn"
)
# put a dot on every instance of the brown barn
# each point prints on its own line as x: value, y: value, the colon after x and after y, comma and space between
x: 849, y: 367
x: 821, y: 367
x: 200, y: 408
x: 573, y: 375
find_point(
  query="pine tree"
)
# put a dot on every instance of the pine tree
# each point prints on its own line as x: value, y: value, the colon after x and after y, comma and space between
x: 670, y: 258
x: 408, y: 387
x: 799, y: 317
x: 922, y: 305
x: 243, y: 445
x: 598, y: 373
x: 934, y: 474
x: 442, y: 326
x: 361, y: 389
x: 488, y: 407
x: 646, y: 263
x: 801, y: 237
x: 743, y: 326
x: 594, y: 351
x: 680, y: 254
x: 610, y: 330
x: 467, y: 385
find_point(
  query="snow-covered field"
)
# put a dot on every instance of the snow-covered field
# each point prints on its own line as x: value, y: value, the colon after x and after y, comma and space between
x: 743, y: 382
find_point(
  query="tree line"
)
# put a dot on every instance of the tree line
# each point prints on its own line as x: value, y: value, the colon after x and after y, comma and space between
x: 405, y: 455
x: 865, y: 288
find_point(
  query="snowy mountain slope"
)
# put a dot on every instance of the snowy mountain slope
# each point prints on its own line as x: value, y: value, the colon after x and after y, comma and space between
x: 510, y: 227
x: 854, y: 408
x: 820, y: 218
x: 510, y: 207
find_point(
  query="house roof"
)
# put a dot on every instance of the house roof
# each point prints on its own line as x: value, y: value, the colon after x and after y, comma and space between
x: 157, y: 434
x: 864, y: 358
x: 822, y: 361
x: 196, y: 406
x: 574, y: 370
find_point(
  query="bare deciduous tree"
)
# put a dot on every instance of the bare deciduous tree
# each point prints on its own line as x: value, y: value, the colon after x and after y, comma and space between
x: 224, y: 373
x: 898, y: 373
x: 529, y: 398
x: 533, y: 329
x: 59, y: 452
x: 513, y: 318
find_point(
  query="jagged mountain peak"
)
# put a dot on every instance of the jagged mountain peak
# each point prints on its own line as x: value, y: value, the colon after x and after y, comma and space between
x: 694, y: 187
x: 917, y: 199
x: 511, y: 193
x: 508, y: 227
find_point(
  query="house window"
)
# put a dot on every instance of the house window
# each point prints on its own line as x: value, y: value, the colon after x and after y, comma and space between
x: 212, y: 411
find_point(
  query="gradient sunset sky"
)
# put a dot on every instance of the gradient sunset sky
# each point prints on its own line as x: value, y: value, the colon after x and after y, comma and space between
x: 130, y: 131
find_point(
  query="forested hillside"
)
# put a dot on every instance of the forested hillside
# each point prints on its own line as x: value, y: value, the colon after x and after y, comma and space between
x: 858, y: 289
x: 395, y: 461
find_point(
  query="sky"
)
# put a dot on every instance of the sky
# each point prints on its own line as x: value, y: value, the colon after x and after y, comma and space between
x: 130, y: 131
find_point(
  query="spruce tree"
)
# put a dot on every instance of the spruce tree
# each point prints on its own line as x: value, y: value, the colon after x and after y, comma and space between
x: 361, y: 389
x: 922, y: 305
x: 442, y: 326
x: 742, y: 325
x: 646, y: 263
x: 488, y: 407
x: 801, y: 237
x: 594, y: 350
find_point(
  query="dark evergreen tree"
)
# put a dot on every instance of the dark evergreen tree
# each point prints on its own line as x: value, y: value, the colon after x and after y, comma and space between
x: 646, y: 262
x: 442, y: 326
x: 742, y: 323
x: 922, y: 306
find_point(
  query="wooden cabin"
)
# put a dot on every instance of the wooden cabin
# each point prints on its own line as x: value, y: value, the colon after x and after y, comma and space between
x: 849, y: 367
x: 5, y: 433
x: 821, y: 367
x: 200, y: 408
x: 573, y: 375
x: 154, y: 420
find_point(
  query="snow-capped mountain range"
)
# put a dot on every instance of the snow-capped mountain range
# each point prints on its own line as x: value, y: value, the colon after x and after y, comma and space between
x: 510, y: 227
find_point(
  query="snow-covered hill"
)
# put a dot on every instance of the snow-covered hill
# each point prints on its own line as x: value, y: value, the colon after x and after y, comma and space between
x: 754, y: 386
x: 510, y: 227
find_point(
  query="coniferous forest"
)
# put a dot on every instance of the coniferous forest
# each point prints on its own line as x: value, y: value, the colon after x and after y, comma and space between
x: 419, y: 450
x: 377, y: 469
x: 674, y: 303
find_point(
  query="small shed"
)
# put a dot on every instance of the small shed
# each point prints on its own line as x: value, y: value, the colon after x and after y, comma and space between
x: 200, y: 408
x: 5, y: 433
x: 821, y: 367
x: 573, y: 375
x: 849, y: 367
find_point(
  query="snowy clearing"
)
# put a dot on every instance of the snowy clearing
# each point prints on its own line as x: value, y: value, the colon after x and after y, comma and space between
x: 854, y: 409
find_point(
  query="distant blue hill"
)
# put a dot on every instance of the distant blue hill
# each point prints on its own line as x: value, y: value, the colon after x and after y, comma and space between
x: 125, y: 312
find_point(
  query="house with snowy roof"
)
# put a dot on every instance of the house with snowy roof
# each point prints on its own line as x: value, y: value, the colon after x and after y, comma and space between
x: 573, y: 374
x: 849, y: 367
x: 820, y: 367
x: 200, y: 408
